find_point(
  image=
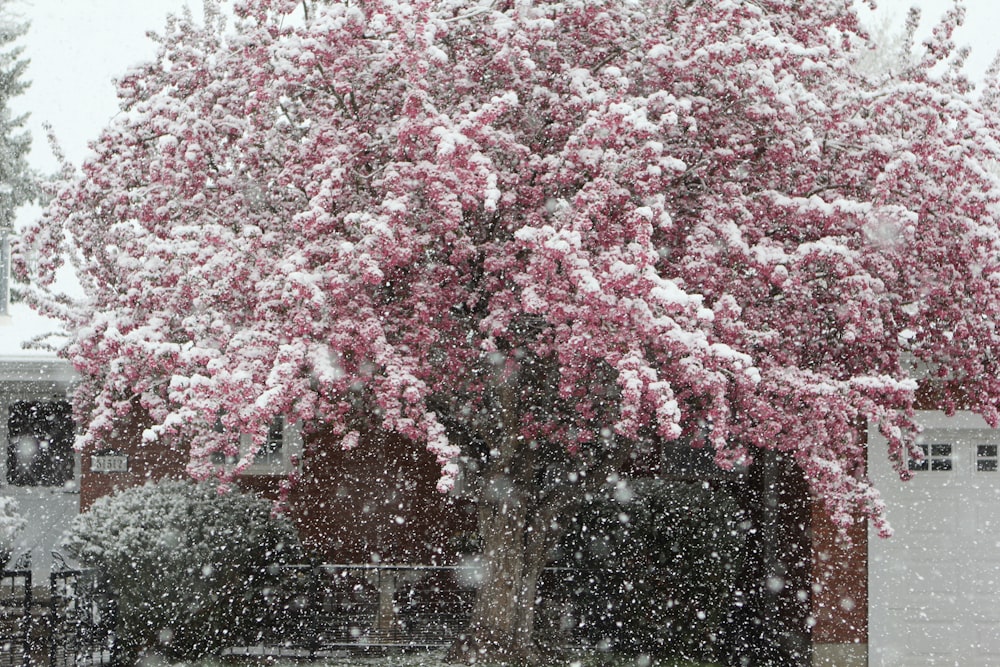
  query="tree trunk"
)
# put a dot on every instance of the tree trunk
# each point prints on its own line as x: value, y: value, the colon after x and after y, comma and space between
x: 517, y: 530
x: 514, y: 552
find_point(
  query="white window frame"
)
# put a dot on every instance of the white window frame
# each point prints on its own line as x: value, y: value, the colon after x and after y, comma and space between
x: 964, y: 431
x: 26, y: 378
x: 291, y: 450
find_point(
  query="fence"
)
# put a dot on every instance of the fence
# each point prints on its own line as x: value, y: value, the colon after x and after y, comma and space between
x: 298, y: 611
x: 312, y: 610
x: 302, y: 611
x: 15, y: 615
x: 81, y: 617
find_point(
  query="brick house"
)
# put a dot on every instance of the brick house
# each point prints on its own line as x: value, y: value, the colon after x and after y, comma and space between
x: 387, y: 491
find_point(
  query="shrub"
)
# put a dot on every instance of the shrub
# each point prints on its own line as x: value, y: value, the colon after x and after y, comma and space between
x: 653, y: 565
x: 184, y: 560
x: 11, y: 524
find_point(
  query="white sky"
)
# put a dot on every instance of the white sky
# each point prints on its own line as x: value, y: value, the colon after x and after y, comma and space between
x: 76, y: 47
x: 981, y: 29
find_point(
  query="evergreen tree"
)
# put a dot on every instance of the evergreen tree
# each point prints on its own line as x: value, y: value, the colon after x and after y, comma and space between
x: 17, y: 183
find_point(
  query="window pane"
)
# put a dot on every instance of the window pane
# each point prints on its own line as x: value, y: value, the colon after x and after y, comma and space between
x: 940, y: 450
x: 40, y: 438
x: 919, y: 465
x: 275, y: 437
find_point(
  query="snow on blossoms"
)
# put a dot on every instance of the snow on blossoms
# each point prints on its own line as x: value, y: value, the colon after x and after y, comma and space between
x: 560, y: 230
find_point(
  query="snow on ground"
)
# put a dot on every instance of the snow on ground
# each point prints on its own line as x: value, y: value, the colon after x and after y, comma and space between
x: 347, y: 659
x: 435, y: 659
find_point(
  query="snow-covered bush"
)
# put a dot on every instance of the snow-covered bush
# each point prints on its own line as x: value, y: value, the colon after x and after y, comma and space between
x: 654, y: 564
x: 11, y: 524
x: 183, y: 558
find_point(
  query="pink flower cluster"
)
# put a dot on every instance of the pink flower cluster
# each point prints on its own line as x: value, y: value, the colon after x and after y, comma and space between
x: 598, y: 223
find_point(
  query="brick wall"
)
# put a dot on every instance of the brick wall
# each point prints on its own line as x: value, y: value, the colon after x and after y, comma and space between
x: 376, y: 502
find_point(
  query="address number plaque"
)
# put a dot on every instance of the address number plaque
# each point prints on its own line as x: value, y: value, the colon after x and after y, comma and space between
x: 109, y: 463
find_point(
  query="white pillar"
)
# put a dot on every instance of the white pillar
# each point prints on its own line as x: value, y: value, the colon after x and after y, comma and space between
x: 4, y: 275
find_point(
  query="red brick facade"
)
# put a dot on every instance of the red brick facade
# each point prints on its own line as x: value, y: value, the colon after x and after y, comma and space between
x: 376, y: 502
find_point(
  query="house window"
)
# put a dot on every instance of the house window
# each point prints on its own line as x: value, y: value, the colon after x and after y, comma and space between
x: 275, y: 457
x: 937, y: 457
x: 986, y: 458
x: 272, y: 451
x: 40, y: 438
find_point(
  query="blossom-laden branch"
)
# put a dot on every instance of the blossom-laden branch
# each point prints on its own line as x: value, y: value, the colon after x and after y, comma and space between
x: 396, y: 211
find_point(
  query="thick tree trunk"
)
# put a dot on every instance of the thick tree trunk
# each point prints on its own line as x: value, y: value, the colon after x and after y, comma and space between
x: 517, y: 530
x: 514, y: 551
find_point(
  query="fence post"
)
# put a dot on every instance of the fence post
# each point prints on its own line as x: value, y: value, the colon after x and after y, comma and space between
x: 314, y: 607
x: 58, y: 564
x: 26, y: 659
x: 50, y: 617
x: 112, y: 612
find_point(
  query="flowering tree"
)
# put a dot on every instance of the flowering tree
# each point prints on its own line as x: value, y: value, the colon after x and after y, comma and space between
x: 537, y: 239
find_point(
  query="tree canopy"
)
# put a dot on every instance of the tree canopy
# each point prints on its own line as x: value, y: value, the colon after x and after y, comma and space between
x: 18, y: 184
x: 595, y: 224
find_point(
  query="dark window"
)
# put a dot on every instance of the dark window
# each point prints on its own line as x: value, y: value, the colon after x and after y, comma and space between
x: 270, y: 452
x: 914, y: 464
x: 40, y: 438
x: 936, y: 457
x: 940, y: 457
x: 986, y: 458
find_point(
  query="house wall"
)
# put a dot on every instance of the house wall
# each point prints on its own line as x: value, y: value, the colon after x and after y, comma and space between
x: 145, y: 463
x: 375, y: 503
x: 839, y: 593
x: 840, y: 567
